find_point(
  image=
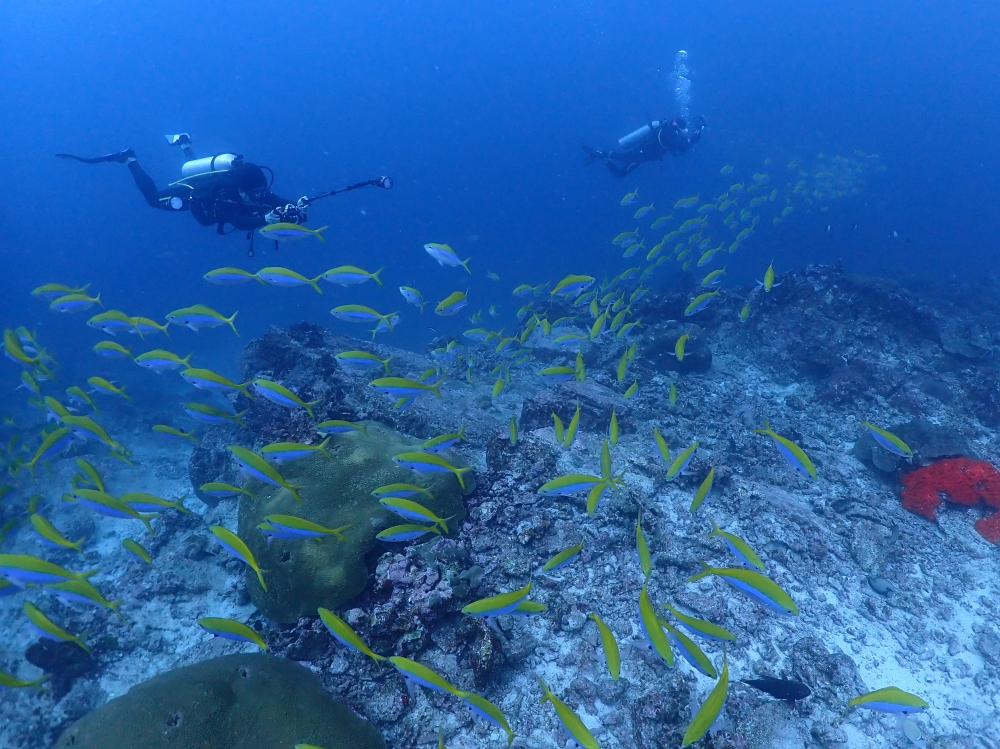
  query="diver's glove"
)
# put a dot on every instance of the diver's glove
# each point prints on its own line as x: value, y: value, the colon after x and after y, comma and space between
x: 288, y: 214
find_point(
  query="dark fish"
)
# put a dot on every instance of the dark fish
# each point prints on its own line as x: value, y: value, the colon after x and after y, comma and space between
x: 782, y: 689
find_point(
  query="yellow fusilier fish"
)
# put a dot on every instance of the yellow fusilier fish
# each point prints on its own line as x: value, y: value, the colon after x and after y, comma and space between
x: 12, y: 682
x: 346, y: 275
x: 48, y: 629
x: 231, y: 629
x: 445, y: 255
x: 74, y: 303
x: 630, y: 197
x: 51, y: 291
x: 174, y: 433
x: 199, y: 316
x: 83, y: 591
x: 791, y: 452
x: 757, y: 587
x: 286, y: 232
x: 15, y: 350
x: 137, y: 550
x: 108, y: 388
x: 451, y: 304
x: 498, y: 605
x: 632, y: 390
x: 577, y: 730
x: 653, y: 629
x: 768, y: 282
x: 236, y: 546
x: 286, y: 278
x: 890, y: 700
x: 679, y: 346
x: 710, y: 709
x: 611, y: 653
x: 229, y: 276
x: 51, y: 534
x: 255, y: 466
x: 346, y: 636
x: 206, y: 379
x: 703, y: 490
x: 645, y: 559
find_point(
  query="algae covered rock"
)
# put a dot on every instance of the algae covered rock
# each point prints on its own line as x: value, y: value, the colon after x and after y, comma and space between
x: 303, y: 575
x: 248, y: 701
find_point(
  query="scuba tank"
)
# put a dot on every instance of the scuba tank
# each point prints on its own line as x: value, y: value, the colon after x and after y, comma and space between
x: 223, y: 162
x: 637, y: 137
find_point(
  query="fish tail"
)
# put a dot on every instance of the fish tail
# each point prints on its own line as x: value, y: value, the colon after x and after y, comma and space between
x: 465, y: 264
x: 315, y: 285
x: 186, y: 361
x: 180, y: 505
x: 239, y: 417
x: 295, y: 493
x: 243, y: 389
x: 260, y: 578
x: 765, y: 430
x: 124, y: 394
x: 705, y: 572
x: 435, y: 388
x: 77, y: 544
x: 79, y: 641
x: 546, y: 694
x: 149, y: 527
x: 322, y: 447
x: 114, y: 607
x: 375, y: 276
x: 385, y: 363
x: 231, y: 323
x: 715, y: 529
x: 318, y: 233
x: 310, y: 404
x: 458, y: 475
x: 98, y: 299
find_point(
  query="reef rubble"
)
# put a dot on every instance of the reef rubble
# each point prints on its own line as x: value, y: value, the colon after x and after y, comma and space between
x: 886, y: 596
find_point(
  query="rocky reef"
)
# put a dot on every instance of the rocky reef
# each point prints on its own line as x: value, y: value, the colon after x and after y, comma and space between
x: 886, y: 596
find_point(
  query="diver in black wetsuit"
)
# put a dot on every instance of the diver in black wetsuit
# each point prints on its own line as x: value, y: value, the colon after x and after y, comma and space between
x: 649, y: 143
x: 217, y: 190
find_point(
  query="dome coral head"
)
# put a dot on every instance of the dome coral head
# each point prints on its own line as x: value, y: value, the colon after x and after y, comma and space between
x: 960, y: 481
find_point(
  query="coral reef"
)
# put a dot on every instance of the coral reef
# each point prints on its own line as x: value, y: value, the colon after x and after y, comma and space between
x: 962, y: 481
x: 246, y: 701
x: 303, y: 575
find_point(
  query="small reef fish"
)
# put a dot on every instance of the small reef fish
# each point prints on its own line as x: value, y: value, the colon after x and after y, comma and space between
x: 150, y: 503
x: 612, y: 655
x: 236, y: 546
x: 105, y: 504
x: 282, y: 396
x: 890, y: 700
x: 642, y: 547
x: 888, y: 440
x: 727, y: 169
x: 577, y: 730
x: 412, y: 296
x: 421, y: 675
x: 643, y: 211
x: 112, y: 350
x: 358, y: 313
x: 794, y: 454
x: 287, y: 232
x: 660, y: 221
x: 401, y: 387
x: 703, y: 489
x: 173, y: 432
x: 55, y: 290
x: 83, y: 592
x: 206, y: 379
x: 257, y: 467
x: 756, y: 586
x: 429, y: 463
x: 406, y: 532
x: 137, y: 550
x: 680, y: 463
x: 48, y: 629
x: 699, y: 303
x: 446, y: 256
x: 768, y: 282
x: 360, y: 361
x: 740, y: 548
x: 498, y: 605
x: 161, y: 361
x: 346, y: 636
x: 452, y: 304
x: 570, y: 484
x: 51, y: 535
x: 630, y: 197
x: 284, y: 452
x: 399, y: 490
x: 199, y: 316
x: 212, y: 415
x: 686, y: 202
x: 347, y: 275
x: 100, y: 385
x: 484, y: 709
x: 512, y: 428
x: 572, y: 286
x: 231, y: 629
x: 292, y: 526
x: 220, y: 489
x: 25, y: 569
x: 782, y: 689
x: 563, y: 558
x: 12, y: 682
x: 710, y: 709
x: 700, y: 627
x: 111, y: 322
x: 56, y: 442
x: 679, y: 346
x: 73, y: 303
x: 339, y: 426
x: 410, y: 510
x: 689, y: 651
x: 444, y: 441
x: 286, y: 278
x: 144, y: 326
x: 652, y: 628
x: 230, y: 276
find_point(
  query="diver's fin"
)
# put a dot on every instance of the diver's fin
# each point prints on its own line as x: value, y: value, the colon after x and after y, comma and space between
x: 121, y: 157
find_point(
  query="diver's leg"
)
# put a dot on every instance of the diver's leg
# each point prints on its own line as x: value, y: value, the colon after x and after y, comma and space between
x: 144, y: 182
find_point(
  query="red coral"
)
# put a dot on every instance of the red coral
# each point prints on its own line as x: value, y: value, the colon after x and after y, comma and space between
x: 959, y: 480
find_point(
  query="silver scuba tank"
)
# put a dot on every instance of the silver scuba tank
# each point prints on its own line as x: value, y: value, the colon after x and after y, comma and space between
x: 636, y: 137
x: 222, y: 162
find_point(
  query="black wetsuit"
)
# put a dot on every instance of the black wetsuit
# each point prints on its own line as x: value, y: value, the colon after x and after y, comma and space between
x: 667, y: 137
x: 240, y: 197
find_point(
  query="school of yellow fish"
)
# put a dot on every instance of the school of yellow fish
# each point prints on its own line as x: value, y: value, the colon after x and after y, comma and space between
x: 695, y: 231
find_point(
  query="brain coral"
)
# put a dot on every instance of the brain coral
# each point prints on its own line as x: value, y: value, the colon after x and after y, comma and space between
x: 959, y: 480
x: 303, y: 575
x: 248, y: 701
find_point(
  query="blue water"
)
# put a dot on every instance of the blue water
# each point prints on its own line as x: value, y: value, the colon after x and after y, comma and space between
x: 477, y: 111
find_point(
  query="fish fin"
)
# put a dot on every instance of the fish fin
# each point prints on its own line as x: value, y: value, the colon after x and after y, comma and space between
x: 316, y: 285
x: 318, y: 233
x: 310, y: 404
x: 375, y: 275
x: 385, y: 363
x: 715, y: 529
x: 547, y: 695
x: 465, y: 264
x: 705, y: 571
x: 322, y: 447
x: 231, y: 323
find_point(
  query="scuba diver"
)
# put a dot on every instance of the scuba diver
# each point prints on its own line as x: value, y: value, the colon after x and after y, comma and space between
x: 221, y: 190
x: 651, y: 142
